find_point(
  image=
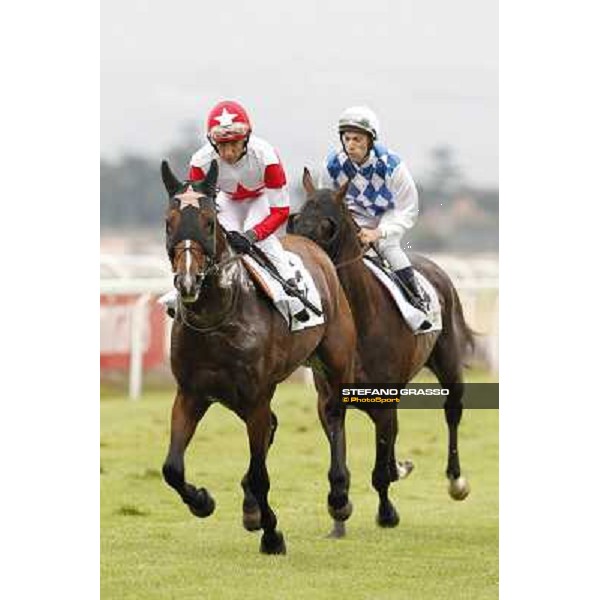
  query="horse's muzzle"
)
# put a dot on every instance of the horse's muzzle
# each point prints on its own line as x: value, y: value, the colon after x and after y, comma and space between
x: 188, y: 287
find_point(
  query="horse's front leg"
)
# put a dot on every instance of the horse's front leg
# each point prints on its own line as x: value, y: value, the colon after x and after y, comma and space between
x: 187, y: 412
x: 259, y: 427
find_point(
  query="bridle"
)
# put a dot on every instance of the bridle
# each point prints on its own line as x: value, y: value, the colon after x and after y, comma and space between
x: 187, y: 316
x: 212, y: 266
x: 353, y: 260
x: 332, y: 246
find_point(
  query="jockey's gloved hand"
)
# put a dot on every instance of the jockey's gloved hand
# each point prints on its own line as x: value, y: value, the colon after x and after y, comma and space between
x: 242, y: 242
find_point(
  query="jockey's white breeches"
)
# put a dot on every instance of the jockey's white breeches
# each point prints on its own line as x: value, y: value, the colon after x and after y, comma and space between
x: 391, y: 249
x: 242, y: 216
x: 393, y: 224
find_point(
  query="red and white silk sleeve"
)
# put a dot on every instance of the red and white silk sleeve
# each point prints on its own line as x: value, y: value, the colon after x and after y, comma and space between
x: 201, y: 158
x: 279, y: 201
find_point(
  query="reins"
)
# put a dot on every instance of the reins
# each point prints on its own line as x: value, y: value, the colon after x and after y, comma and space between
x: 188, y: 315
x: 222, y: 316
x: 354, y: 259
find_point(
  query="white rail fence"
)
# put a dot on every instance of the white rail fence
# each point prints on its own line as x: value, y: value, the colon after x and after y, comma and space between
x: 133, y: 283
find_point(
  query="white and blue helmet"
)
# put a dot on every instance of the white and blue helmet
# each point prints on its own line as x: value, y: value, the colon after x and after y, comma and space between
x: 360, y: 118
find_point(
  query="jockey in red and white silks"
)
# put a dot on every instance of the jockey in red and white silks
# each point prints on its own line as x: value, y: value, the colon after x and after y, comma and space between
x: 253, y: 197
x: 382, y: 195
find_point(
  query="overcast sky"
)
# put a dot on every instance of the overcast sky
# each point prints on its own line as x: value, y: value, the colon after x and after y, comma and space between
x: 429, y: 68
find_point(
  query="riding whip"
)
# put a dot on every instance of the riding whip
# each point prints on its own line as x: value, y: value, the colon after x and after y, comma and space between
x: 263, y: 260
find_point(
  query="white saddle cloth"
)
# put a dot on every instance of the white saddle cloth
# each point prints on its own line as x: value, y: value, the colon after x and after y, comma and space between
x: 413, y: 316
x: 279, y: 297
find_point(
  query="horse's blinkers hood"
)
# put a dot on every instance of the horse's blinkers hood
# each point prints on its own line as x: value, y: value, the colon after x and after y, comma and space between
x: 189, y: 225
x: 189, y: 229
x: 321, y: 206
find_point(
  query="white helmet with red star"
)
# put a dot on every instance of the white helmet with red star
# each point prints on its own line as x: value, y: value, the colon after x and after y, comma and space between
x: 228, y: 121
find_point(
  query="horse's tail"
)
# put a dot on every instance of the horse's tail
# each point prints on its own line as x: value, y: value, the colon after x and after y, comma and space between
x: 455, y: 330
x: 465, y: 334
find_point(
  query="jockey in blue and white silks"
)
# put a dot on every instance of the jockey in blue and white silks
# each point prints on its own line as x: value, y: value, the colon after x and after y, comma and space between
x: 371, y: 183
x: 382, y: 195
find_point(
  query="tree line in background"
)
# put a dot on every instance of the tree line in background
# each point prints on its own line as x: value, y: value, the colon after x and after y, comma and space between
x: 454, y: 216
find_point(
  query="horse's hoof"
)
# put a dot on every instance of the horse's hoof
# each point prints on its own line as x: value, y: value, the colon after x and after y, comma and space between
x: 458, y: 488
x: 388, y: 516
x: 251, y: 519
x: 340, y: 514
x: 338, y: 531
x: 272, y: 543
x: 203, y: 504
x: 405, y: 468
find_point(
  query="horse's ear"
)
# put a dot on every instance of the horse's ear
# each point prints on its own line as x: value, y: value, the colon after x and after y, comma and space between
x: 341, y: 193
x: 211, y: 177
x: 171, y: 182
x: 307, y: 182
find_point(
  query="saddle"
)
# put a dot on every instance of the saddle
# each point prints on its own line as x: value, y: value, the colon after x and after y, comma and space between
x: 418, y: 321
x: 383, y: 266
x: 278, y: 290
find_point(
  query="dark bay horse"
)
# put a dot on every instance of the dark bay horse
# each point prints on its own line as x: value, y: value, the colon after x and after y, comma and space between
x: 387, y: 349
x: 230, y: 345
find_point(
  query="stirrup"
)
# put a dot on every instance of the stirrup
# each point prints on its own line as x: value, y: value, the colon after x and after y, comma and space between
x: 420, y: 305
x: 425, y: 298
x: 420, y: 298
x: 416, y: 300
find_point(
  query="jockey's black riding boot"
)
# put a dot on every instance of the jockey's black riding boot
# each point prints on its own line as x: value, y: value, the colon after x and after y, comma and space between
x: 418, y: 297
x: 302, y: 315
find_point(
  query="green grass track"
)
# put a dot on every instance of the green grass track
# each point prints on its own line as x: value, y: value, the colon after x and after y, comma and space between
x: 153, y: 548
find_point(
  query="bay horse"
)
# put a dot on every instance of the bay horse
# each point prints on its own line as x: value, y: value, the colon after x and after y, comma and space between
x: 387, y: 349
x: 230, y: 345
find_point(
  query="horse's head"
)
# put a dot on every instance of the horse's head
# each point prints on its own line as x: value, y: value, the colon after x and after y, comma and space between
x: 324, y: 218
x: 193, y: 238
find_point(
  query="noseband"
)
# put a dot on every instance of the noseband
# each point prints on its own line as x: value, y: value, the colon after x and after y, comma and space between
x: 212, y: 265
x: 190, y: 231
